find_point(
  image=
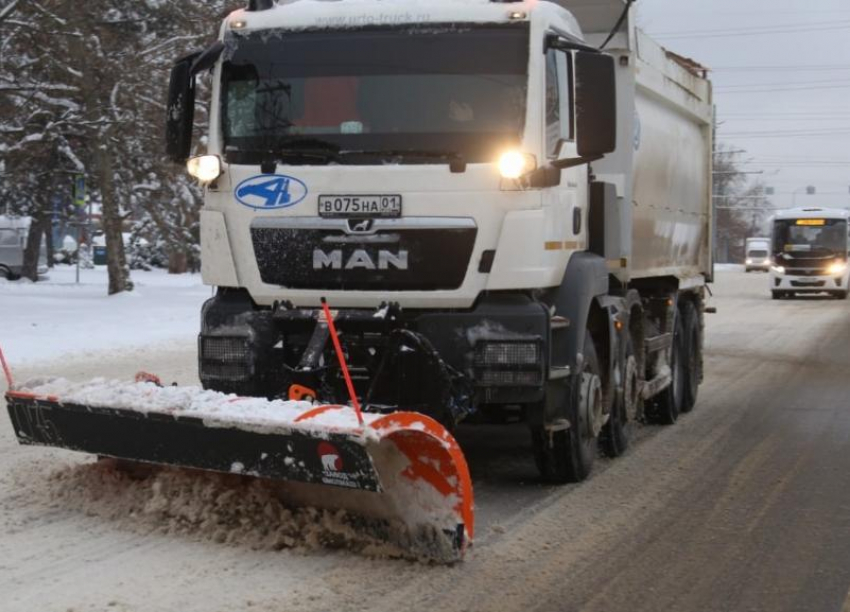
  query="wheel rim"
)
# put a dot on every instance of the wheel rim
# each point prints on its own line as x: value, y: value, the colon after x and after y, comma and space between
x: 591, y: 405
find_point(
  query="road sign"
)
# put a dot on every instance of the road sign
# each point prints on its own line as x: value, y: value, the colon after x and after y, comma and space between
x: 80, y: 190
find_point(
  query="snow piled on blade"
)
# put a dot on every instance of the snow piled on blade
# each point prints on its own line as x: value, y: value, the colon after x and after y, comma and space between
x: 211, y: 406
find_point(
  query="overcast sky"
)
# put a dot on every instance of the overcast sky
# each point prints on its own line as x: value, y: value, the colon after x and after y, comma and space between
x: 781, y: 71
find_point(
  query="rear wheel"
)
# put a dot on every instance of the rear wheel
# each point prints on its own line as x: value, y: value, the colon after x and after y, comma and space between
x: 691, y: 354
x: 664, y: 408
x: 617, y: 432
x: 6, y: 273
x: 567, y: 455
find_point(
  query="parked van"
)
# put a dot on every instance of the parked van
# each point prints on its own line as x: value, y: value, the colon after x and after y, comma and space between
x: 13, y: 240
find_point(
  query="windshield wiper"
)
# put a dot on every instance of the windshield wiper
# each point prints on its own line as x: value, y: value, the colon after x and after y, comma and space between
x: 456, y: 162
x: 295, y: 150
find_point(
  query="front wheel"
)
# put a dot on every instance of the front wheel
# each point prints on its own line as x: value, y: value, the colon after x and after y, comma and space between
x: 840, y: 295
x: 567, y: 455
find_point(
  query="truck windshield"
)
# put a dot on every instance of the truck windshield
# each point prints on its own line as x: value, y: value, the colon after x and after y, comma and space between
x: 349, y: 96
x: 811, y: 237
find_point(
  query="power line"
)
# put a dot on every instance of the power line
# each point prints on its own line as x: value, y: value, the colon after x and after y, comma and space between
x: 782, y: 84
x: 785, y: 133
x: 781, y: 89
x: 794, y: 68
x: 825, y: 26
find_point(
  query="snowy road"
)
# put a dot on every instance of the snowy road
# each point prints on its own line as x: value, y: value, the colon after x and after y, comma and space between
x: 743, y: 505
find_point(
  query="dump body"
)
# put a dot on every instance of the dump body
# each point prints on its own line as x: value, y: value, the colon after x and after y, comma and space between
x: 663, y: 162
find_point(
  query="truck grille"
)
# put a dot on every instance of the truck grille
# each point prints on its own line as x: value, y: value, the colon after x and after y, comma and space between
x: 406, y: 254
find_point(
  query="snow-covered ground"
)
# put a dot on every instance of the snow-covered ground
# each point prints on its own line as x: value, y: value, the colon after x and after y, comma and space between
x: 58, y: 319
x: 79, y: 536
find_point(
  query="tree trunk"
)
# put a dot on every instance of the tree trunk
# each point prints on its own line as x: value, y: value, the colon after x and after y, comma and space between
x: 48, y: 236
x: 116, y: 261
x: 177, y: 262
x: 32, y: 251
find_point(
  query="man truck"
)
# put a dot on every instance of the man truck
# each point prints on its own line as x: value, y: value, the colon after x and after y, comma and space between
x: 459, y: 210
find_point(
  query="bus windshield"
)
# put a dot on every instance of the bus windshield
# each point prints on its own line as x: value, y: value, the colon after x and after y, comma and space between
x: 811, y: 237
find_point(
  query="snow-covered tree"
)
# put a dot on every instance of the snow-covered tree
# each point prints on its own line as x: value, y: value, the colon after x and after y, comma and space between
x: 82, y: 90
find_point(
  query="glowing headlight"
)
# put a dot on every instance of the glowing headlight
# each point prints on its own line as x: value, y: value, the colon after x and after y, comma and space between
x: 205, y: 168
x: 838, y: 267
x: 780, y: 270
x: 749, y: 261
x: 513, y: 164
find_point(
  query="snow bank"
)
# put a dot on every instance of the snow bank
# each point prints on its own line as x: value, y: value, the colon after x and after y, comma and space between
x: 58, y: 319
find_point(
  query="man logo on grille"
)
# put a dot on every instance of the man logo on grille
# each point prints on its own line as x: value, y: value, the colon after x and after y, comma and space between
x: 360, y: 226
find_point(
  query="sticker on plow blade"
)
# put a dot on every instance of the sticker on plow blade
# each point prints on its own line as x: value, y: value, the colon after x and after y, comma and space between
x: 271, y: 191
x: 335, y: 459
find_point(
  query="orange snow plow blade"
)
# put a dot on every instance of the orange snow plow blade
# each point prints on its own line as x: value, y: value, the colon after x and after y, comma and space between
x: 403, y: 468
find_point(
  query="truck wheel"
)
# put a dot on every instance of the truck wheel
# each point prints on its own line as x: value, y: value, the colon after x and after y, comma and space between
x: 664, y: 408
x: 691, y: 349
x: 777, y: 295
x: 840, y: 295
x: 617, y: 431
x: 6, y: 273
x: 568, y: 455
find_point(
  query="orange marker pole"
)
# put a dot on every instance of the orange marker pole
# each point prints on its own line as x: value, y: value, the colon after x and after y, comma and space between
x: 6, y: 371
x: 341, y: 357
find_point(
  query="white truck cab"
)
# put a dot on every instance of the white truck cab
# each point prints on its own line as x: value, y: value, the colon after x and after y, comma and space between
x: 810, y: 252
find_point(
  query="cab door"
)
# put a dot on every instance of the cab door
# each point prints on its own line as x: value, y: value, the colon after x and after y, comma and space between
x: 562, y: 204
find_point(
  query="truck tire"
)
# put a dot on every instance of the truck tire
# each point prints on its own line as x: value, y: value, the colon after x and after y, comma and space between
x: 6, y: 273
x: 567, y: 456
x: 664, y: 408
x: 692, y: 342
x: 617, y: 431
x: 840, y: 295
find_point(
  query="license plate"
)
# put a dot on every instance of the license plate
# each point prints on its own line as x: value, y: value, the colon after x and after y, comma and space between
x: 359, y: 205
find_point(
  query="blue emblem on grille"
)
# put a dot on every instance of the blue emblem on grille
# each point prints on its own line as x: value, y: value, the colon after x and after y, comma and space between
x: 270, y: 191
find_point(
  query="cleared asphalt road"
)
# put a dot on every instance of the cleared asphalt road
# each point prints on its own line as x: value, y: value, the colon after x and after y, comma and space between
x: 743, y: 505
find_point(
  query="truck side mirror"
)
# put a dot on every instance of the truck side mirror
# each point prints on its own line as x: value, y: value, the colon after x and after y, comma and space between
x: 596, y: 104
x: 181, y: 110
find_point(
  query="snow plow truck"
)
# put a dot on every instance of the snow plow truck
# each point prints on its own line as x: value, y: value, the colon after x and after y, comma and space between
x: 419, y: 214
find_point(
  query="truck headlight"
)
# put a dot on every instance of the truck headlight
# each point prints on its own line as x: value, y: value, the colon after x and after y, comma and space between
x: 778, y: 270
x: 749, y: 261
x: 515, y: 164
x: 837, y: 268
x: 205, y: 168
